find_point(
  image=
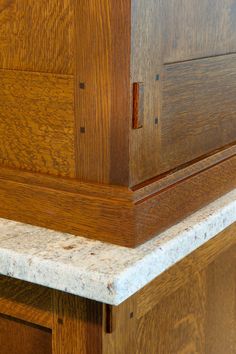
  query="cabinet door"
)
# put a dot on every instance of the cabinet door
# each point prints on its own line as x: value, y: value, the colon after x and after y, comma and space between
x: 184, y: 53
x: 17, y: 337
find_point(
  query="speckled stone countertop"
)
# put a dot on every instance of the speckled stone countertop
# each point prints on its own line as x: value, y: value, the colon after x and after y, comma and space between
x: 101, y: 271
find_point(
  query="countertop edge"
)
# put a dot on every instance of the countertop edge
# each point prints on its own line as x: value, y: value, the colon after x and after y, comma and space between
x: 137, y: 267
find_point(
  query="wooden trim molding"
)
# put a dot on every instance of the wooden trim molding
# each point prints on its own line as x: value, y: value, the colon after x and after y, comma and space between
x: 111, y: 213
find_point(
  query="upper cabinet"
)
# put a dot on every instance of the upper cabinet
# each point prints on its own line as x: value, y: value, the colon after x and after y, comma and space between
x: 183, y: 53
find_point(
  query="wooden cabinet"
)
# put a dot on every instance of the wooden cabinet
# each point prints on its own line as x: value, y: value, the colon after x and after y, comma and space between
x: 188, y: 309
x: 115, y: 115
x: 188, y: 46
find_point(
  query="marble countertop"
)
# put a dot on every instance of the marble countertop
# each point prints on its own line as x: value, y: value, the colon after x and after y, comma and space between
x: 100, y: 271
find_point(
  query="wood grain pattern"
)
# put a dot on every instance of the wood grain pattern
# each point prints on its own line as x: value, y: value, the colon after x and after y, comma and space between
x: 37, y: 122
x: 197, y: 318
x: 77, y: 325
x: 67, y: 70
x: 188, y: 170
x: 123, y: 334
x: 103, y: 191
x: 173, y: 31
x: 189, y: 309
x: 111, y: 214
x: 221, y: 306
x: 26, y: 301
x: 145, y: 66
x: 180, y: 274
x: 176, y: 325
x: 198, y: 109
x: 37, y: 35
x: 20, y: 337
x: 103, y: 103
x: 174, y: 203
x: 91, y: 216
x: 197, y: 28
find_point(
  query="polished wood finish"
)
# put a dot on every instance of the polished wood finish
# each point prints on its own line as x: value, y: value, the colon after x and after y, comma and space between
x: 37, y: 122
x: 221, y: 314
x: 77, y: 325
x: 25, y: 301
x: 138, y: 105
x: 171, y: 32
x: 175, y: 202
x: 197, y: 318
x: 19, y: 337
x: 77, y: 213
x: 179, y: 275
x: 37, y: 36
x: 195, y: 29
x: 112, y: 214
x: 188, y: 309
x: 182, y: 330
x: 196, y: 117
x: 123, y: 332
x: 112, y: 112
x: 39, y: 320
x: 103, y: 109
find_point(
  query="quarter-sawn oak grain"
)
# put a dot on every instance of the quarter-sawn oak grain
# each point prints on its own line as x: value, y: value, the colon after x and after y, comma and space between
x: 37, y: 122
x: 67, y: 72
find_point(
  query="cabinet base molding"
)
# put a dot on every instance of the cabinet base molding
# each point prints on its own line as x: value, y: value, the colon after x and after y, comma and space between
x: 119, y: 215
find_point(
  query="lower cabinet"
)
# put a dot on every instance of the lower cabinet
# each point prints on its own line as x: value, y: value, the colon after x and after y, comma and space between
x: 189, y: 309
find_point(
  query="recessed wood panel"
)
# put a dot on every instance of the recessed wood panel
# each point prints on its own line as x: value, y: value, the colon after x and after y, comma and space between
x: 25, y: 301
x: 17, y: 337
x: 199, y: 317
x: 189, y: 309
x: 177, y: 30
x: 176, y: 325
x: 197, y: 28
x: 37, y: 35
x: 198, y: 109
x: 37, y: 122
x: 167, y: 31
x: 182, y: 272
x: 221, y: 304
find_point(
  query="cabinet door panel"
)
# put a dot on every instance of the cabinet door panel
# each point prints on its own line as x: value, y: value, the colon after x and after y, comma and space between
x: 37, y: 122
x: 37, y: 35
x: 197, y: 28
x: 198, y: 109
x: 190, y: 111
x: 18, y: 337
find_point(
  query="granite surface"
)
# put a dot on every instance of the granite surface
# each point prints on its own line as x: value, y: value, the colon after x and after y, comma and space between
x: 101, y: 271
